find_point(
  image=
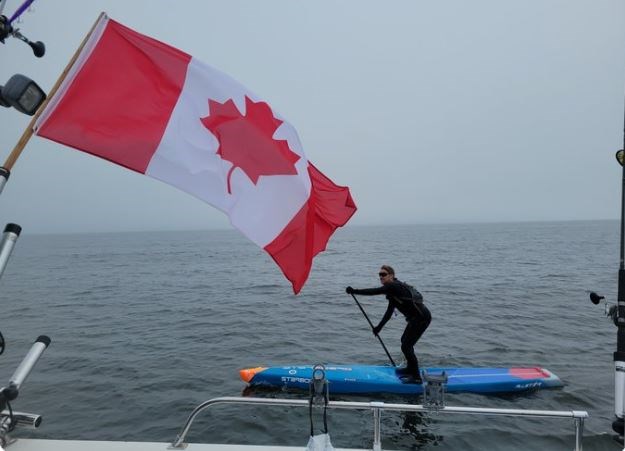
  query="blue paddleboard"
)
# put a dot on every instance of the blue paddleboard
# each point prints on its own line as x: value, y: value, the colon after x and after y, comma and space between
x: 355, y: 379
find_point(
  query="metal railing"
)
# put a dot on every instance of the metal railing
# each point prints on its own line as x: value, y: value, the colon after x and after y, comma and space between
x: 377, y: 407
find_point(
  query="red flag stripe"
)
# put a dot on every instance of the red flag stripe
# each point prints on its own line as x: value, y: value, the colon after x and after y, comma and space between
x: 329, y: 206
x: 124, y: 120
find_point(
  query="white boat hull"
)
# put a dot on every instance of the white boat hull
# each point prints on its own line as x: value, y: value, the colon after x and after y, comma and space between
x: 88, y: 445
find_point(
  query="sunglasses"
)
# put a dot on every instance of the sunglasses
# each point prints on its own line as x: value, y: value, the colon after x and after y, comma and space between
x: 382, y: 274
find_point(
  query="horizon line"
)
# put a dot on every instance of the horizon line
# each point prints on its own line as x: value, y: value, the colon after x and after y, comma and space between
x: 380, y: 224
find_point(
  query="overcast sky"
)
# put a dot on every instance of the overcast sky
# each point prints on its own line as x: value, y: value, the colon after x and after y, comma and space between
x: 431, y: 112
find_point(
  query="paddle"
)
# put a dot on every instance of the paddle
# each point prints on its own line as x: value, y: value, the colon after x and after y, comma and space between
x: 372, y: 327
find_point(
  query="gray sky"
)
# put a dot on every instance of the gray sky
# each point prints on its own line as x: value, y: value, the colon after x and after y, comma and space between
x: 446, y: 111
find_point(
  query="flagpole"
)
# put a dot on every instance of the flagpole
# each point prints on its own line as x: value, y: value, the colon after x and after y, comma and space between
x: 5, y: 170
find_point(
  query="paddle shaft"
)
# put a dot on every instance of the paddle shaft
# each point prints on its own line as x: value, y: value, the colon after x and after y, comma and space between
x: 372, y: 327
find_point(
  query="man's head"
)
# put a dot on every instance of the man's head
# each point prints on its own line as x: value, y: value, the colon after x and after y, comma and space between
x: 386, y: 274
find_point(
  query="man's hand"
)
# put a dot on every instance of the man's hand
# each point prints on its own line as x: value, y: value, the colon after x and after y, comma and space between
x: 349, y: 290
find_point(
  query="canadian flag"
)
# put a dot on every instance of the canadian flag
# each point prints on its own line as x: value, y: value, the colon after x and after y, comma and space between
x: 154, y: 109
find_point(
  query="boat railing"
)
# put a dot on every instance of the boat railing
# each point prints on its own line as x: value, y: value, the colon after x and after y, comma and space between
x: 378, y: 407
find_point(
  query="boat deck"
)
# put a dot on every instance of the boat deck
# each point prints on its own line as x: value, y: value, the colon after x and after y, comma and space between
x: 82, y: 445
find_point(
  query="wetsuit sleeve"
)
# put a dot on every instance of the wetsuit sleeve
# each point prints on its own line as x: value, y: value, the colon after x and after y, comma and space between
x: 371, y: 291
x: 386, y: 317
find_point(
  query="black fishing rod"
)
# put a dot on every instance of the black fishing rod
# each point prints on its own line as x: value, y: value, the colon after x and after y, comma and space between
x: 372, y: 327
x: 619, y: 355
x: 617, y: 313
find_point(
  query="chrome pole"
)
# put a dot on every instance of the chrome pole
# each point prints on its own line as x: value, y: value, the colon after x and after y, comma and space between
x: 4, y: 173
x: 579, y: 433
x: 179, y: 442
x: 10, y: 236
x: 377, y: 440
x: 9, y: 393
x: 22, y: 371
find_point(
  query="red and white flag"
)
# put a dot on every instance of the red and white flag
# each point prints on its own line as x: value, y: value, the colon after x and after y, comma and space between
x: 151, y: 108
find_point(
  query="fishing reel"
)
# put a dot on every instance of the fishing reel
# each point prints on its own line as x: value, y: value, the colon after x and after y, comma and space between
x: 611, y: 310
x: 6, y: 29
x: 20, y: 92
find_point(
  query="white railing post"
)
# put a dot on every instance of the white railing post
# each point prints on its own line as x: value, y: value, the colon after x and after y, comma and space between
x: 377, y: 435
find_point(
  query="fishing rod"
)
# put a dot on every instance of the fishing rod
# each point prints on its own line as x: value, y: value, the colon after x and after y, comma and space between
x: 617, y: 313
x: 618, y: 425
x: 372, y: 327
x: 20, y: 10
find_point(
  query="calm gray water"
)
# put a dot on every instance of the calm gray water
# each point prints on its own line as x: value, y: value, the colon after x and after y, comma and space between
x: 145, y: 326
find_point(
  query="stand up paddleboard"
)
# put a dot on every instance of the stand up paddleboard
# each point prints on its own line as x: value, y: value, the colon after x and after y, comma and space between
x: 360, y: 379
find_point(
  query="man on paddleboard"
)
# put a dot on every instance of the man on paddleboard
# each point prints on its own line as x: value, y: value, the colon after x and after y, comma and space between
x: 409, y: 302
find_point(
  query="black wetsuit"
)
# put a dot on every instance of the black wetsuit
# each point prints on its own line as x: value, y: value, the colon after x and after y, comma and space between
x: 417, y: 316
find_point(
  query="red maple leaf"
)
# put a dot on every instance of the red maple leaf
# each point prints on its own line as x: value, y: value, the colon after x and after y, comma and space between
x: 246, y: 141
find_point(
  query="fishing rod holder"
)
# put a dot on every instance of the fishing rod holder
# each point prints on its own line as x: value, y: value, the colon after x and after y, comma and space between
x: 4, y: 177
x: 434, y: 391
x: 9, y: 419
x: 9, y: 238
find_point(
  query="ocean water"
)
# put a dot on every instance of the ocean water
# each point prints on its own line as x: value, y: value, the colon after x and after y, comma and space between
x: 145, y: 326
